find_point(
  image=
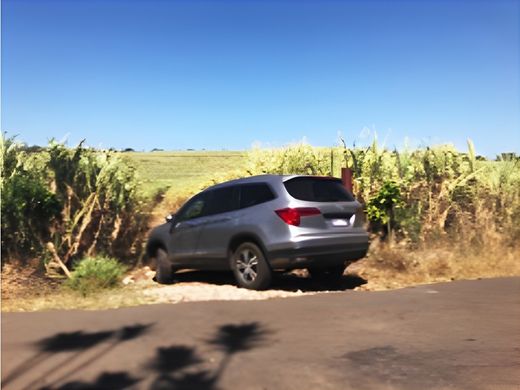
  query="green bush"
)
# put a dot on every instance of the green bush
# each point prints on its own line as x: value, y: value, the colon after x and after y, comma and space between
x: 29, y: 209
x: 81, y: 200
x: 380, y: 208
x: 95, y: 273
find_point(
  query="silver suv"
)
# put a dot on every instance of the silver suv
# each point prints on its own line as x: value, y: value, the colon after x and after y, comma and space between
x: 261, y: 224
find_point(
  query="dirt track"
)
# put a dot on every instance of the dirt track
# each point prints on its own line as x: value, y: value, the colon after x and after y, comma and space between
x: 462, y: 335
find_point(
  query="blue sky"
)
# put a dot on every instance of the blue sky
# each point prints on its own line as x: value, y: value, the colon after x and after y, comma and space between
x: 224, y: 74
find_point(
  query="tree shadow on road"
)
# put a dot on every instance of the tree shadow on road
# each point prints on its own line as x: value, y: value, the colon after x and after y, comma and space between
x: 106, y: 380
x: 281, y: 281
x: 173, y: 367
x: 74, y: 344
x: 179, y: 367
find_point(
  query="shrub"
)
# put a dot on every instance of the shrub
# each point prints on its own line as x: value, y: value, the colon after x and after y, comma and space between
x: 300, y: 158
x: 95, y: 273
x: 102, y: 211
x: 380, y: 208
x: 83, y: 201
x: 29, y: 209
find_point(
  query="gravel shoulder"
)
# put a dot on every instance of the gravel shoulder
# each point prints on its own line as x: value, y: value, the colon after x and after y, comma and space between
x: 30, y: 292
x: 27, y: 289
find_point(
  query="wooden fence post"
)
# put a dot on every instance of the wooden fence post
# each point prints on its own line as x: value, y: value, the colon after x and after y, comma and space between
x: 346, y: 178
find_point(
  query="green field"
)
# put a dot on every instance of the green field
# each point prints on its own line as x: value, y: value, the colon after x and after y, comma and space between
x: 182, y: 171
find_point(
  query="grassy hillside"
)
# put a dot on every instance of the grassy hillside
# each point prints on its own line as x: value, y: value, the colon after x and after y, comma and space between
x: 183, y: 170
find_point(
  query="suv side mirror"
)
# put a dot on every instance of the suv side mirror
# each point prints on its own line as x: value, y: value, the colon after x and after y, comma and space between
x: 170, y: 217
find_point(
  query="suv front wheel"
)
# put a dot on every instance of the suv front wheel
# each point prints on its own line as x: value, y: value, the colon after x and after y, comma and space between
x: 163, y: 267
x: 250, y: 267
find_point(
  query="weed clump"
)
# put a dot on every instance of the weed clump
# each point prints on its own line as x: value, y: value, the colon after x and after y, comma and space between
x: 93, y: 274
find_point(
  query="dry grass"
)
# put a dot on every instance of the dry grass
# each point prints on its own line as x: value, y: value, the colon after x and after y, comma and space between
x: 170, y: 204
x: 33, y: 291
x: 384, y: 268
x: 62, y: 299
x: 21, y: 281
x: 395, y: 267
x: 140, y: 290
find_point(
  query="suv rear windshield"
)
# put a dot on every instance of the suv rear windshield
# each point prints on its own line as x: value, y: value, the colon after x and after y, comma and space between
x: 317, y: 189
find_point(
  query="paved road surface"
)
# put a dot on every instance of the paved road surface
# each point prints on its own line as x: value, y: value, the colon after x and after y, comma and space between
x: 460, y: 335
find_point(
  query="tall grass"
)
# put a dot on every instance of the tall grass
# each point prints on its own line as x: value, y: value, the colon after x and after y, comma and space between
x: 434, y: 213
x: 65, y: 203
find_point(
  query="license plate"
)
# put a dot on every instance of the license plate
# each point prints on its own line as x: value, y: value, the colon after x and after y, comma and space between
x: 340, y: 222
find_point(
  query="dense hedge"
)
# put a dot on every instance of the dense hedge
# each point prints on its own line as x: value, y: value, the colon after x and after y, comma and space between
x: 420, y: 195
x: 76, y: 201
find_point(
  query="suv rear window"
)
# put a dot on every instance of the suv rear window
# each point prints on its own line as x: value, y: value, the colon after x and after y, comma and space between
x: 317, y: 189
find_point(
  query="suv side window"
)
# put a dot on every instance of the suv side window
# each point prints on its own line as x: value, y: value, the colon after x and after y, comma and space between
x: 193, y: 209
x: 253, y: 194
x: 222, y: 200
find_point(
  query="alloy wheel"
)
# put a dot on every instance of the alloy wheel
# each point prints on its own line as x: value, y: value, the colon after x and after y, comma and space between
x: 247, y: 265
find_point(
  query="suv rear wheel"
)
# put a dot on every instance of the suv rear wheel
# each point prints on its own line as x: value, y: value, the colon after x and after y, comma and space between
x: 250, y: 267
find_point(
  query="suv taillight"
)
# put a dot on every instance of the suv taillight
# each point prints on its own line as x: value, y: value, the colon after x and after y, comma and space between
x: 292, y: 216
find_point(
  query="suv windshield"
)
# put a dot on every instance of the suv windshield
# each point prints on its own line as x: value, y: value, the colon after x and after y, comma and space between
x: 317, y: 189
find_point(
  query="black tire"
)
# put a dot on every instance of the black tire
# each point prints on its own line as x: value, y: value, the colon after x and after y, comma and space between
x: 328, y: 275
x: 163, y: 267
x: 250, y: 267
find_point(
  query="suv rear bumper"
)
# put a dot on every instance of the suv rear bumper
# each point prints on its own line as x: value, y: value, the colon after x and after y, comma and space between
x: 319, y: 252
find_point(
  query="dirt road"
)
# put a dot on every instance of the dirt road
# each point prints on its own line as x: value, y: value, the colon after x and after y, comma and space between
x: 460, y: 335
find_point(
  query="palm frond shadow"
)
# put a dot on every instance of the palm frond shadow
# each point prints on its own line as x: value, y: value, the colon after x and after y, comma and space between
x: 74, y: 345
x: 173, y: 367
x: 179, y: 367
